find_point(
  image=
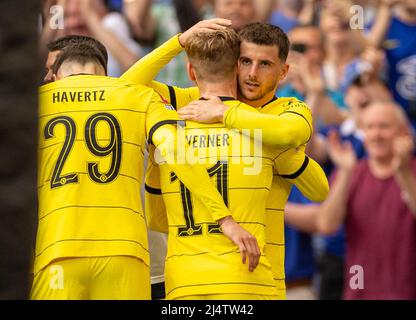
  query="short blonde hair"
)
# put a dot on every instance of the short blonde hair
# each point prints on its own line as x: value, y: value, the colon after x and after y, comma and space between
x: 214, y: 54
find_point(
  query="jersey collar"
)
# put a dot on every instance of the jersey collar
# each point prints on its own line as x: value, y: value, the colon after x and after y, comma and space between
x: 81, y: 74
x: 273, y: 99
x: 226, y: 98
x: 221, y: 98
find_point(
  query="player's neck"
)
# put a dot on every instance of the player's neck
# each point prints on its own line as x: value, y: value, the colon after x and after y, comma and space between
x: 222, y: 88
x: 67, y: 70
x: 259, y: 103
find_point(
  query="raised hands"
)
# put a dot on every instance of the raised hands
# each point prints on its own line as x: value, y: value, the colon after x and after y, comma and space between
x: 341, y: 153
x: 307, y: 73
x: 403, y: 147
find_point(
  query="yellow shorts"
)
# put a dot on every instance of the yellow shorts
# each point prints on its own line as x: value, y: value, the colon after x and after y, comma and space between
x: 229, y: 296
x: 93, y: 278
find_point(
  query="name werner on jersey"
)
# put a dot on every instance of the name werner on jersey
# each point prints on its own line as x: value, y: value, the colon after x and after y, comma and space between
x: 78, y: 96
x: 208, y: 140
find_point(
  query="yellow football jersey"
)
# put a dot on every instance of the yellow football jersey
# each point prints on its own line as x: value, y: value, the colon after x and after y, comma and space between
x: 294, y: 124
x: 93, y: 132
x: 200, y: 260
x: 279, y: 193
x: 312, y: 182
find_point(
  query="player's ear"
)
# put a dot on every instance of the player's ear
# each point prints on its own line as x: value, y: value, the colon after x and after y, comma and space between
x: 284, y: 71
x: 191, y: 72
x: 54, y: 77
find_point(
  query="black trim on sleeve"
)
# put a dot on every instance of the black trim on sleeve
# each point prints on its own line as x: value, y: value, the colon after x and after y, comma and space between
x: 172, y: 97
x: 152, y: 190
x: 157, y: 126
x: 299, y: 172
x: 299, y: 114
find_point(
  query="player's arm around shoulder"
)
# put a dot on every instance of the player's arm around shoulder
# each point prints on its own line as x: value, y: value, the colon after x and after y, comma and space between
x: 300, y: 109
x: 293, y: 119
x: 175, y: 96
x: 283, y: 125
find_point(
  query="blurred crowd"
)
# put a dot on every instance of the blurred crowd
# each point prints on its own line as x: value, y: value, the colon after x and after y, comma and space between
x: 354, y: 64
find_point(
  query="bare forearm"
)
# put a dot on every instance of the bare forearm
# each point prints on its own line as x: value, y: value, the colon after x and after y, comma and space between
x: 407, y: 183
x: 139, y: 15
x: 307, y: 14
x: 118, y: 50
x: 302, y: 217
x: 381, y: 24
x: 317, y: 149
x: 360, y: 41
x: 186, y: 13
x: 333, y: 210
x: 323, y: 108
x: 47, y: 35
x: 264, y: 9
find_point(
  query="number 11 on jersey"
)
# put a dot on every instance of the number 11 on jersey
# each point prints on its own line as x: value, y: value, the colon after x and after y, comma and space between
x: 220, y: 170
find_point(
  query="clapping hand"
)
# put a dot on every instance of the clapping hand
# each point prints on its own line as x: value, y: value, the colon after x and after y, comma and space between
x: 341, y: 153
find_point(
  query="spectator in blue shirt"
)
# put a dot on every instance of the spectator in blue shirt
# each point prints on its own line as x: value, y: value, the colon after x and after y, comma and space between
x: 394, y: 30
